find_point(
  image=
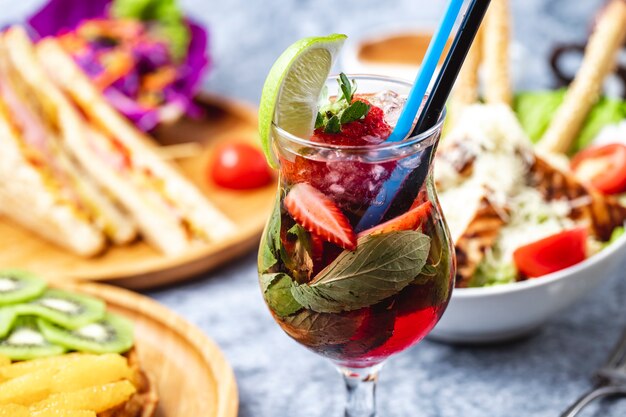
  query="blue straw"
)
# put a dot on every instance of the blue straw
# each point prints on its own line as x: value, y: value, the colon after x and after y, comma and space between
x: 376, y: 212
x: 425, y: 75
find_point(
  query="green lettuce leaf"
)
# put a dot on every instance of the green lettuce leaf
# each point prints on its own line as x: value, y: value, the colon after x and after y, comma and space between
x: 493, y: 272
x: 606, y: 112
x: 617, y: 233
x: 172, y: 26
x: 536, y: 109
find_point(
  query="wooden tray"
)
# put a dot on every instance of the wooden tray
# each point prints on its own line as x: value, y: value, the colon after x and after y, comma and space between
x: 138, y: 266
x: 191, y: 373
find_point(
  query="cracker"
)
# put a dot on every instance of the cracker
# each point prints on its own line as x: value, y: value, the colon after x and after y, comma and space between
x: 598, y: 62
x: 466, y: 91
x: 496, y: 59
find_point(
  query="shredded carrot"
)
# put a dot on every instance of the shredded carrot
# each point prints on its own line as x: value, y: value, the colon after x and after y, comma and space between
x: 157, y: 80
x: 117, y: 65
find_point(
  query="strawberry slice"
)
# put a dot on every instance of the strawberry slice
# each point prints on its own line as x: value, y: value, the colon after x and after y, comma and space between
x: 407, y: 221
x: 422, y: 197
x: 319, y: 215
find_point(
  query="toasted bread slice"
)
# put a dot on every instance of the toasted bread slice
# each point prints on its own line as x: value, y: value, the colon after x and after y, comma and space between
x: 31, y: 196
x: 603, y: 213
x: 46, y: 126
x: 171, y: 212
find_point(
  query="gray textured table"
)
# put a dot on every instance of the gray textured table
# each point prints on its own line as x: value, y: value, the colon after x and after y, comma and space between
x: 538, y: 376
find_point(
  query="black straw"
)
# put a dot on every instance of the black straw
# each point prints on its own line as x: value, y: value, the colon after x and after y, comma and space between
x: 452, y: 66
x: 396, y: 195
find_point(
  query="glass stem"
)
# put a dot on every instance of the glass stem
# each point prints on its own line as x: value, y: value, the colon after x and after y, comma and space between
x: 361, y: 390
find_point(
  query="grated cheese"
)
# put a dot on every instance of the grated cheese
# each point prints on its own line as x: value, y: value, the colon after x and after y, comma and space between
x: 500, y: 170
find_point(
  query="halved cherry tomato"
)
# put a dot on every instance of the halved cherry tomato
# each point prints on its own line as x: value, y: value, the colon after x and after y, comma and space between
x: 604, y: 167
x: 239, y: 166
x: 553, y: 253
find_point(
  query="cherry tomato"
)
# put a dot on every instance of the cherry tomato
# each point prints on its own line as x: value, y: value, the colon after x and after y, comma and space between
x: 604, y: 167
x: 239, y: 166
x: 552, y: 253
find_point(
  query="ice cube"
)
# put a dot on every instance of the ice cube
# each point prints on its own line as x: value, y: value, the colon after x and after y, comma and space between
x: 391, y: 103
x: 377, y: 172
x: 336, y: 189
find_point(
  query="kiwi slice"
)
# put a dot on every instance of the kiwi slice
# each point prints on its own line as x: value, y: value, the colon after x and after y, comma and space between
x: 112, y: 334
x: 25, y: 341
x: 7, y: 319
x: 17, y: 286
x: 66, y: 309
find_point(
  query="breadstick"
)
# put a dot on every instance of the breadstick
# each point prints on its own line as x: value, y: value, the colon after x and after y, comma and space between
x: 496, y: 59
x: 467, y: 84
x: 598, y: 62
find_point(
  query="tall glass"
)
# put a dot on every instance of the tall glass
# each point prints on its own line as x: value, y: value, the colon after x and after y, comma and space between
x: 357, y: 305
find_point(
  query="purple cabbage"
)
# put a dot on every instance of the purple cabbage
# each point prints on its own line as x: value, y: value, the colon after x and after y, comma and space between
x: 60, y: 16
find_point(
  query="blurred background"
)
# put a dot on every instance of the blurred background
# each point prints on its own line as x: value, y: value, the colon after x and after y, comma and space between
x: 247, y: 36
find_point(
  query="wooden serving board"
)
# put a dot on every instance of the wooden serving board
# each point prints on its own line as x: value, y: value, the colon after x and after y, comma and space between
x: 192, y: 376
x: 138, y: 266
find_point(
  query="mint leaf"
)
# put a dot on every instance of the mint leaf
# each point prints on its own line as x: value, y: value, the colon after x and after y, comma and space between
x: 380, y: 267
x: 266, y: 258
x: 355, y: 111
x: 333, y: 114
x: 301, y: 234
x: 346, y: 87
x: 270, y: 243
x: 317, y: 329
x: 441, y: 261
x: 429, y: 271
x: 333, y: 125
x: 297, y: 257
x: 277, y: 293
x: 319, y: 121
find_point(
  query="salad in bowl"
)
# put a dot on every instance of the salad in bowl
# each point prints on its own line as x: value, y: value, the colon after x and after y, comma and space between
x: 516, y: 214
x: 532, y: 186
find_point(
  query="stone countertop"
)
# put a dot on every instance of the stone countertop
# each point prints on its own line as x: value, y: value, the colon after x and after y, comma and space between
x: 538, y: 376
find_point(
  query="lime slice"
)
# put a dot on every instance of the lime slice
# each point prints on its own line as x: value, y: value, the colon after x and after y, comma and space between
x: 293, y: 87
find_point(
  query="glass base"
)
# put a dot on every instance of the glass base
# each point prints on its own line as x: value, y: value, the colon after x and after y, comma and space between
x: 361, y: 390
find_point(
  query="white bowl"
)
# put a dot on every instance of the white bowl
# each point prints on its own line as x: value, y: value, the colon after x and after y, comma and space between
x: 504, y: 312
